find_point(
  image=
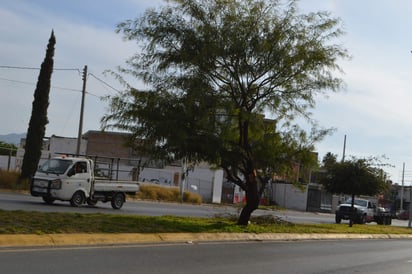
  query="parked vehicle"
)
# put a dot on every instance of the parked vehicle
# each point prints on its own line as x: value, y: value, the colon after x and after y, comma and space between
x: 364, y: 211
x: 403, y: 215
x: 72, y: 179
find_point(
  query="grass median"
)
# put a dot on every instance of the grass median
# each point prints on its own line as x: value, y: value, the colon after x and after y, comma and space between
x: 22, y: 222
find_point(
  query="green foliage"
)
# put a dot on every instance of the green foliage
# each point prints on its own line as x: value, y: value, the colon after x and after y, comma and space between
x: 354, y: 177
x: 167, y: 194
x: 213, y: 69
x: 21, y: 222
x: 38, y: 119
x: 7, y: 149
x: 329, y: 160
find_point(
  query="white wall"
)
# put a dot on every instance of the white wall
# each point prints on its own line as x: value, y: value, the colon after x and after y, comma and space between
x: 55, y: 145
x: 217, y: 186
x: 66, y: 145
x: 289, y: 196
x: 4, y: 162
x: 199, y: 180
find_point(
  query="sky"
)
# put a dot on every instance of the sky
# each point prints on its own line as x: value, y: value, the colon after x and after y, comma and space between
x: 373, y: 110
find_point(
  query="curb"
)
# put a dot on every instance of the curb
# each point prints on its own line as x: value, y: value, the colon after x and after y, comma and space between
x: 54, y: 240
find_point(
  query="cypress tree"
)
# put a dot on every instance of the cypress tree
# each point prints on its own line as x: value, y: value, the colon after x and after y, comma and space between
x: 38, y: 120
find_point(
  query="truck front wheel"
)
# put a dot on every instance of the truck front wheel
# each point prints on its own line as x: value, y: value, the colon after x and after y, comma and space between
x: 338, y: 219
x: 78, y: 199
x: 118, y: 200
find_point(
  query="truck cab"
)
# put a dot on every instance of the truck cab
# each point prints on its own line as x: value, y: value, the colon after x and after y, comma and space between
x: 63, y: 178
x: 72, y: 179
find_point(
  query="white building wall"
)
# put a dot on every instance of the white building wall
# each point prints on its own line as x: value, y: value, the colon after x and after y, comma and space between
x: 54, y: 146
x: 65, y: 145
x: 199, y: 180
x: 158, y: 176
x: 289, y: 196
x: 217, y: 186
x: 7, y: 162
x: 45, y: 154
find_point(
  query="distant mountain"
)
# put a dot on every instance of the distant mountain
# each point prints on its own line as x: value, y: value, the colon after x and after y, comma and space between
x: 12, y: 138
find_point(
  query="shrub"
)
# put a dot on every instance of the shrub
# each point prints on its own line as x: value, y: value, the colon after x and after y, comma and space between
x: 193, y: 198
x: 11, y: 180
x: 168, y: 194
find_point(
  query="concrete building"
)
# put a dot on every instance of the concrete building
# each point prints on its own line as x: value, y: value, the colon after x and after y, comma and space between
x: 52, y: 146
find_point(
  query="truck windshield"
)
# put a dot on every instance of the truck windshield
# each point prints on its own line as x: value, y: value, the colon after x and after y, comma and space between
x: 56, y: 166
x: 358, y: 202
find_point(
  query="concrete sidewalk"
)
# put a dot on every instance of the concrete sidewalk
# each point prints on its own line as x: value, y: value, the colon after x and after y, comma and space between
x: 140, y: 238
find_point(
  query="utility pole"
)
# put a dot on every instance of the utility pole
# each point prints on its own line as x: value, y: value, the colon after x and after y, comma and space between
x: 183, y: 178
x: 402, y: 189
x: 410, y: 206
x: 344, y: 149
x: 79, y: 136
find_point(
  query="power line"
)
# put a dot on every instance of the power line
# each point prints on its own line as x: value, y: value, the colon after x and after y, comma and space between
x: 55, y: 87
x: 13, y: 67
x: 16, y: 81
x: 33, y: 68
x: 33, y: 84
x: 60, y: 69
x: 97, y: 78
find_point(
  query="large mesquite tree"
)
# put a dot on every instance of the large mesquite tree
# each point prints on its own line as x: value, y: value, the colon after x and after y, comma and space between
x: 213, y: 70
x: 38, y: 119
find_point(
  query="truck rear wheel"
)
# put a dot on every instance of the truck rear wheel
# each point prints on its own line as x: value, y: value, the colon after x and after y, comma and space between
x: 118, y: 200
x: 78, y: 199
x: 362, y: 219
x: 380, y: 220
x: 388, y: 220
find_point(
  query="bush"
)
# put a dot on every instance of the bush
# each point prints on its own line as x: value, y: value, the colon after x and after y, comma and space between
x: 11, y: 180
x: 167, y: 194
x: 193, y: 198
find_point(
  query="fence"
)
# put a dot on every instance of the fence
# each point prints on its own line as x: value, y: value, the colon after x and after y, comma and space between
x: 7, y: 162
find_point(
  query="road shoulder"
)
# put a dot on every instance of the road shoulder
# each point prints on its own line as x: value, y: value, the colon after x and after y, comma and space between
x: 151, y: 238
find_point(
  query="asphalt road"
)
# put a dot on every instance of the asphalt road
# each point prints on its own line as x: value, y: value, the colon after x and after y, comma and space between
x: 19, y: 201
x: 354, y: 256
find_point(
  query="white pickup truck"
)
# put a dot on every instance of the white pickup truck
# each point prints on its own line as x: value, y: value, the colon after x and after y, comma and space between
x: 364, y: 211
x: 72, y: 179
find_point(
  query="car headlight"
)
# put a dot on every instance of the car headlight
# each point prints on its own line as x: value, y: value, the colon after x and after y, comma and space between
x: 56, y: 184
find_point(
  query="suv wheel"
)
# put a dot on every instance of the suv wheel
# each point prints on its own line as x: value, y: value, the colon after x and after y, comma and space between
x: 338, y: 219
x: 362, y: 219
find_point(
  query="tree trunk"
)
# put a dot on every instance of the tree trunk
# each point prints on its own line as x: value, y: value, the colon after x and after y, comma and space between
x: 352, y: 211
x: 252, y: 201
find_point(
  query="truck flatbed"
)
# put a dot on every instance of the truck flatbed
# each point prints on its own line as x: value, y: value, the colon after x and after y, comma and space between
x: 124, y: 186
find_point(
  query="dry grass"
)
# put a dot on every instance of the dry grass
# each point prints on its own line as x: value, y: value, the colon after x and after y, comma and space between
x: 11, y: 180
x: 167, y: 194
